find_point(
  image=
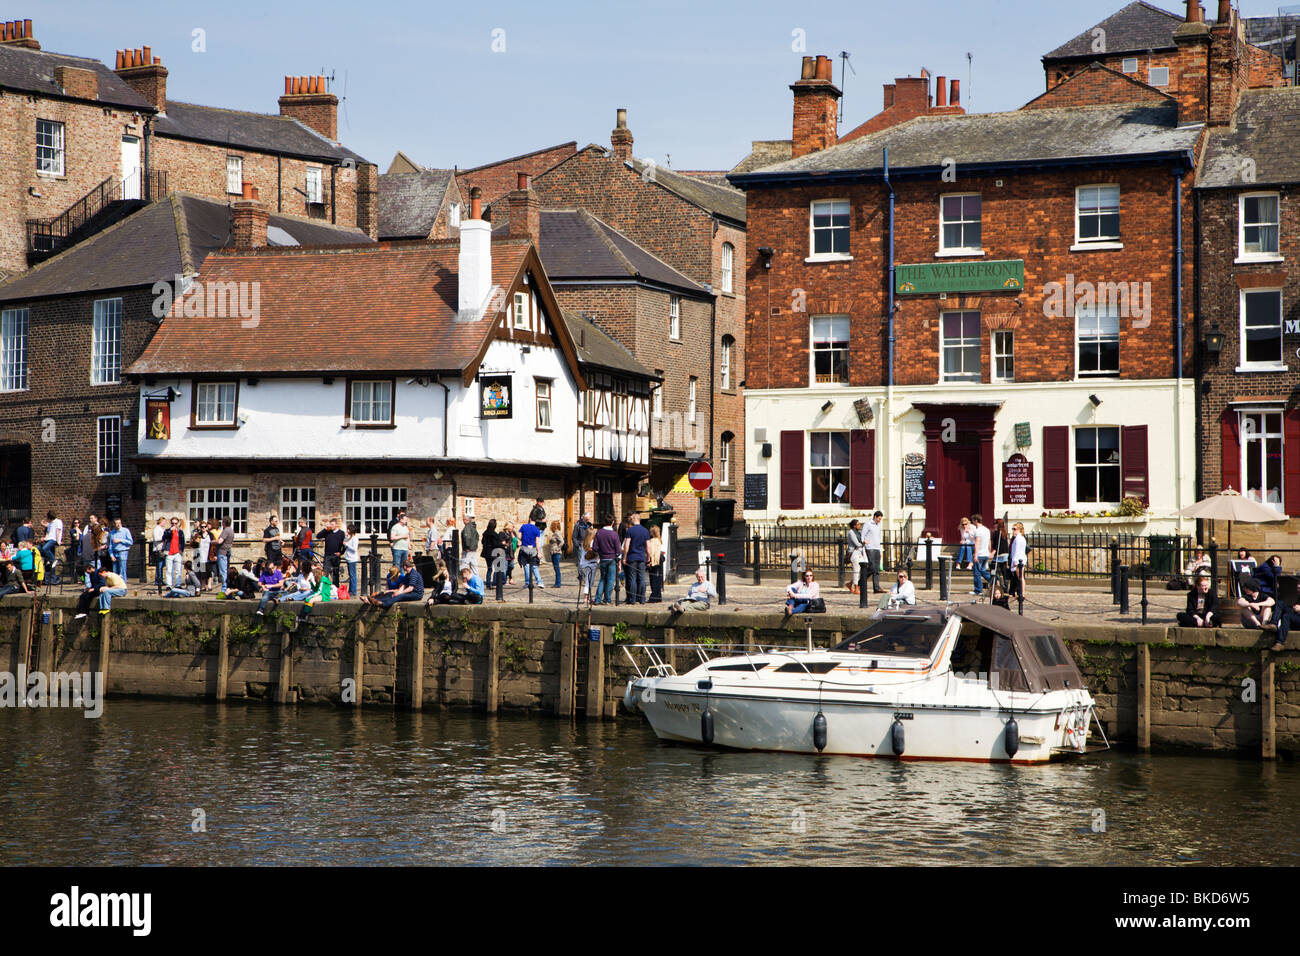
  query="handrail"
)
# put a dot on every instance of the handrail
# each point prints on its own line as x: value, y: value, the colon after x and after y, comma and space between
x: 152, y: 183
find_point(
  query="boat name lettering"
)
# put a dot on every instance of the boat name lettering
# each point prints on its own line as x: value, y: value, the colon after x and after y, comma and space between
x: 682, y: 708
x: 904, y: 716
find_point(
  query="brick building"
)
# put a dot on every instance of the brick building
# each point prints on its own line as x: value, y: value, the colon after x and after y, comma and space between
x: 696, y: 228
x: 71, y: 324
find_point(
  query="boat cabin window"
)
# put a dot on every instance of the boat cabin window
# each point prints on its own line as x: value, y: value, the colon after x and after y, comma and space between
x: 755, y: 666
x: 895, y: 637
x: 973, y: 652
x: 813, y: 667
x: 1049, y: 651
x: 1010, y: 675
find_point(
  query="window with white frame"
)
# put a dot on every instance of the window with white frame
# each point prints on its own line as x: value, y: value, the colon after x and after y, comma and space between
x: 520, y: 310
x: 1096, y: 465
x: 371, y: 403
x: 109, y: 445
x: 235, y: 175
x: 728, y: 255
x: 1261, y: 456
x: 1004, y: 356
x: 106, y: 343
x: 961, y: 347
x: 49, y: 147
x: 213, y: 504
x: 724, y: 361
x: 674, y: 316
x: 13, y: 350
x: 690, y: 401
x: 296, y: 502
x: 1158, y: 76
x: 829, y: 225
x: 960, y: 223
x: 830, y: 349
x: 724, y: 459
x: 543, y: 404
x: 214, y: 403
x: 1258, y: 230
x: 1097, y: 335
x: 828, y: 466
x: 315, y: 191
x: 1261, y: 328
x: 1130, y: 65
x: 372, y: 510
x: 1096, y: 214
x: 657, y: 403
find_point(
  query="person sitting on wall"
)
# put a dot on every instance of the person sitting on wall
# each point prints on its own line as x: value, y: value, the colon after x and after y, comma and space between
x: 189, y: 586
x: 11, y: 581
x: 272, y: 581
x: 1267, y: 574
x: 471, y: 586
x: 698, y: 595
x: 904, y: 592
x: 408, y: 586
x: 1202, y: 606
x: 1256, y: 606
x: 800, y: 595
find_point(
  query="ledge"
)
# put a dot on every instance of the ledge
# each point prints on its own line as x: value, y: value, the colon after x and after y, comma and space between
x: 1079, y: 521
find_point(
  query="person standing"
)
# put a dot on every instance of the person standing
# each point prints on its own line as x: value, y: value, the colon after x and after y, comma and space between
x: 529, y: 538
x: 607, y: 549
x: 449, y: 545
x: 159, y: 554
x: 555, y: 544
x: 634, y: 558
x: 872, y: 536
x: 53, y: 538
x: 225, y: 541
x: 982, y: 540
x: 588, y: 566
x: 334, y: 541
x: 854, y: 553
x: 654, y: 561
x: 430, y: 534
x: 302, y: 543
x: 1018, y: 557
x: 352, y: 555
x: 579, y: 537
x: 538, y: 514
x: 469, y: 545
x: 120, y: 541
x: 271, y: 540
x: 1000, y: 549
x: 24, y: 531
x: 87, y: 542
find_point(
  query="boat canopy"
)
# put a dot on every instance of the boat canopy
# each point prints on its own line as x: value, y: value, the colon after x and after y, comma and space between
x: 1043, y: 656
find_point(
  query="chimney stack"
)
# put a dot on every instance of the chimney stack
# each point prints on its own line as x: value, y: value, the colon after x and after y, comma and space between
x: 248, y: 219
x: 816, y: 104
x: 18, y: 33
x: 308, y: 100
x: 941, y: 91
x: 525, y: 211
x: 475, y: 261
x: 621, y: 138
x: 145, y: 74
x: 955, y: 98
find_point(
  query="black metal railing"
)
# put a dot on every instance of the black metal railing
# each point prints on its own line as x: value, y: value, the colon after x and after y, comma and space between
x: 48, y: 236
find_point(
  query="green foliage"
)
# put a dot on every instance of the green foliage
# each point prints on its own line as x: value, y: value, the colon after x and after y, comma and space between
x: 622, y: 634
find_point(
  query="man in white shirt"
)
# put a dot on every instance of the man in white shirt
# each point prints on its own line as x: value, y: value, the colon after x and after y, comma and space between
x: 981, y: 571
x: 904, y: 592
x: 871, y: 538
x: 53, y: 538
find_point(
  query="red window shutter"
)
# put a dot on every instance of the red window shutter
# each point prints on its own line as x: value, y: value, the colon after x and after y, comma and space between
x: 1056, y: 466
x: 1291, y: 461
x: 862, y: 469
x: 1230, y: 451
x: 1133, y: 462
x: 792, y: 471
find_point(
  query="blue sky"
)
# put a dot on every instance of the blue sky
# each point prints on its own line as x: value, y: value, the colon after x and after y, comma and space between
x: 700, y: 79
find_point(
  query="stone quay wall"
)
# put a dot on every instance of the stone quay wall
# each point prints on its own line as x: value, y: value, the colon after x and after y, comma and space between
x: 1156, y: 687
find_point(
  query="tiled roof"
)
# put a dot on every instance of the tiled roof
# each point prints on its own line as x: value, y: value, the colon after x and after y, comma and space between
x: 259, y: 131
x: 1265, y: 132
x: 168, y: 237
x: 33, y: 72
x: 387, y: 307
x: 1088, y: 133
x: 597, y: 347
x: 764, y: 152
x: 409, y: 202
x: 575, y: 245
x: 720, y: 200
x: 1136, y: 28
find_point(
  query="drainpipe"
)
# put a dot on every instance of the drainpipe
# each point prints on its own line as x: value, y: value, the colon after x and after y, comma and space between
x: 446, y: 414
x: 1178, y: 348
x: 713, y: 395
x: 145, y: 191
x: 333, y: 171
x: 887, y: 413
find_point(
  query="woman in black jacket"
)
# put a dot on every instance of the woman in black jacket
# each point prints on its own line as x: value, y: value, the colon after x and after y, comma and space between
x: 1202, y: 606
x: 492, y: 542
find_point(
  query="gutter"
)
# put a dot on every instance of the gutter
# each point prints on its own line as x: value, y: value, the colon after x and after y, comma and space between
x: 1178, y: 344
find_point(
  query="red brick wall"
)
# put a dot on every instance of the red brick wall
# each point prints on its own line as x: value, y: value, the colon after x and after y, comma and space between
x: 496, y: 179
x: 1095, y: 87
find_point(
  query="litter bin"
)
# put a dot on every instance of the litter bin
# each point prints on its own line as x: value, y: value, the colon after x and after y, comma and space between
x: 1163, y: 549
x: 717, y: 515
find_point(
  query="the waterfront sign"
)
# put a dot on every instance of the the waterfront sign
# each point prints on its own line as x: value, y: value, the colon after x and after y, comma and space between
x: 928, y: 278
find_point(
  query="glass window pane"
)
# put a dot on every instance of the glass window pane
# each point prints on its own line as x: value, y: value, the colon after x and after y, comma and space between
x: 840, y: 449
x: 819, y: 449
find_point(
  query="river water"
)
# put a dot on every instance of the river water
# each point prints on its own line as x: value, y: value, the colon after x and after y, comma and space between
x: 204, y: 784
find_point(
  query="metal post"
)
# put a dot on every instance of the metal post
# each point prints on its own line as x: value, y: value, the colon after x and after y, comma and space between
x: 1144, y: 594
x: 722, y: 578
x: 841, y: 564
x: 758, y: 574
x: 1114, y: 571
x: 1214, y: 564
x: 929, y: 562
x: 945, y: 575
x: 1123, y: 589
x: 374, y: 562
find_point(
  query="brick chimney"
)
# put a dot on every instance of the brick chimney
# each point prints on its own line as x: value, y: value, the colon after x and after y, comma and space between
x: 816, y: 104
x: 1188, y: 75
x: 18, y: 33
x: 909, y: 97
x: 78, y: 83
x: 308, y: 100
x: 145, y: 74
x: 1229, y: 65
x: 621, y: 138
x: 474, y: 263
x: 248, y: 220
x: 525, y: 211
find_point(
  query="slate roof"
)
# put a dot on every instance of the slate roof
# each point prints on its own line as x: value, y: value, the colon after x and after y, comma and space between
x: 1266, y: 129
x: 598, y: 348
x: 260, y: 131
x: 720, y: 200
x: 386, y: 307
x: 1021, y: 137
x: 764, y: 152
x: 575, y: 245
x: 171, y: 236
x: 1274, y: 34
x: 33, y: 72
x: 1136, y: 28
x: 409, y: 202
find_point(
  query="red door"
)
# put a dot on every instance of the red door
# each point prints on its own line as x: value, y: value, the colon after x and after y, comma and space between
x: 959, y: 471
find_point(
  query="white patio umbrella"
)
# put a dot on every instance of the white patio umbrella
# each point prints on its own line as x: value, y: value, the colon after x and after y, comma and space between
x: 1231, y: 505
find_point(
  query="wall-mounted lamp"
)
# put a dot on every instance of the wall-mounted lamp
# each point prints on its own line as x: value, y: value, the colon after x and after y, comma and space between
x: 767, y: 252
x: 1214, y: 341
x: 243, y: 418
x: 144, y: 479
x: 526, y: 349
x: 827, y: 406
x: 437, y: 474
x: 1095, y: 400
x: 328, y: 380
x: 34, y: 192
x: 252, y: 383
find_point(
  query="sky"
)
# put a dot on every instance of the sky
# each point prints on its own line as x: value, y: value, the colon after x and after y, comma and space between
x: 466, y: 84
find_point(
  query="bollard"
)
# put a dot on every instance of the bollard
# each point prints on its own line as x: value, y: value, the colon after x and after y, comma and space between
x: 364, y: 583
x: 1114, y: 571
x: 1144, y: 594
x: 1214, y: 565
x: 374, y: 563
x: 722, y: 578
x: 843, y: 557
x: 1123, y: 589
x: 945, y: 575
x: 864, y: 575
x: 796, y: 566
x: 758, y: 574
x: 929, y: 562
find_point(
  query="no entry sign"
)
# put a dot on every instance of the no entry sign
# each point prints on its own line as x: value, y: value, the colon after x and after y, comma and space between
x: 700, y: 476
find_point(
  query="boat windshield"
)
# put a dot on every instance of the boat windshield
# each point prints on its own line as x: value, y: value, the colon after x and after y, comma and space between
x: 901, y: 637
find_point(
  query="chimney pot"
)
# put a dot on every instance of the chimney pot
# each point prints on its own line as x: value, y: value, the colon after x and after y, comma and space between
x: 157, y: 61
x: 1194, y: 12
x: 620, y: 118
x: 941, y: 91
x: 823, y: 67
x: 521, y: 179
x: 1225, y: 11
x: 809, y: 70
x: 288, y: 85
x: 476, y: 203
x: 955, y: 98
x: 146, y: 56
x: 27, y: 28
x: 117, y: 65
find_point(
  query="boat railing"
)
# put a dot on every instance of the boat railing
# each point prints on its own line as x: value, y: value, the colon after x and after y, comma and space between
x: 657, y: 666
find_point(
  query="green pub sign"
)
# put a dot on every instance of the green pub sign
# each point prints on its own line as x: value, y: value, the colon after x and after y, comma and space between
x: 1023, y: 439
x: 928, y: 278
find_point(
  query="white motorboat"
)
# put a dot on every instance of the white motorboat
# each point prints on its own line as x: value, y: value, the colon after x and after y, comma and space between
x: 965, y: 682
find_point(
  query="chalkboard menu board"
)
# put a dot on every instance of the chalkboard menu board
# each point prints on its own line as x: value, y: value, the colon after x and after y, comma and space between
x: 913, y: 479
x: 756, y: 492
x: 112, y: 507
x: 1018, y: 480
